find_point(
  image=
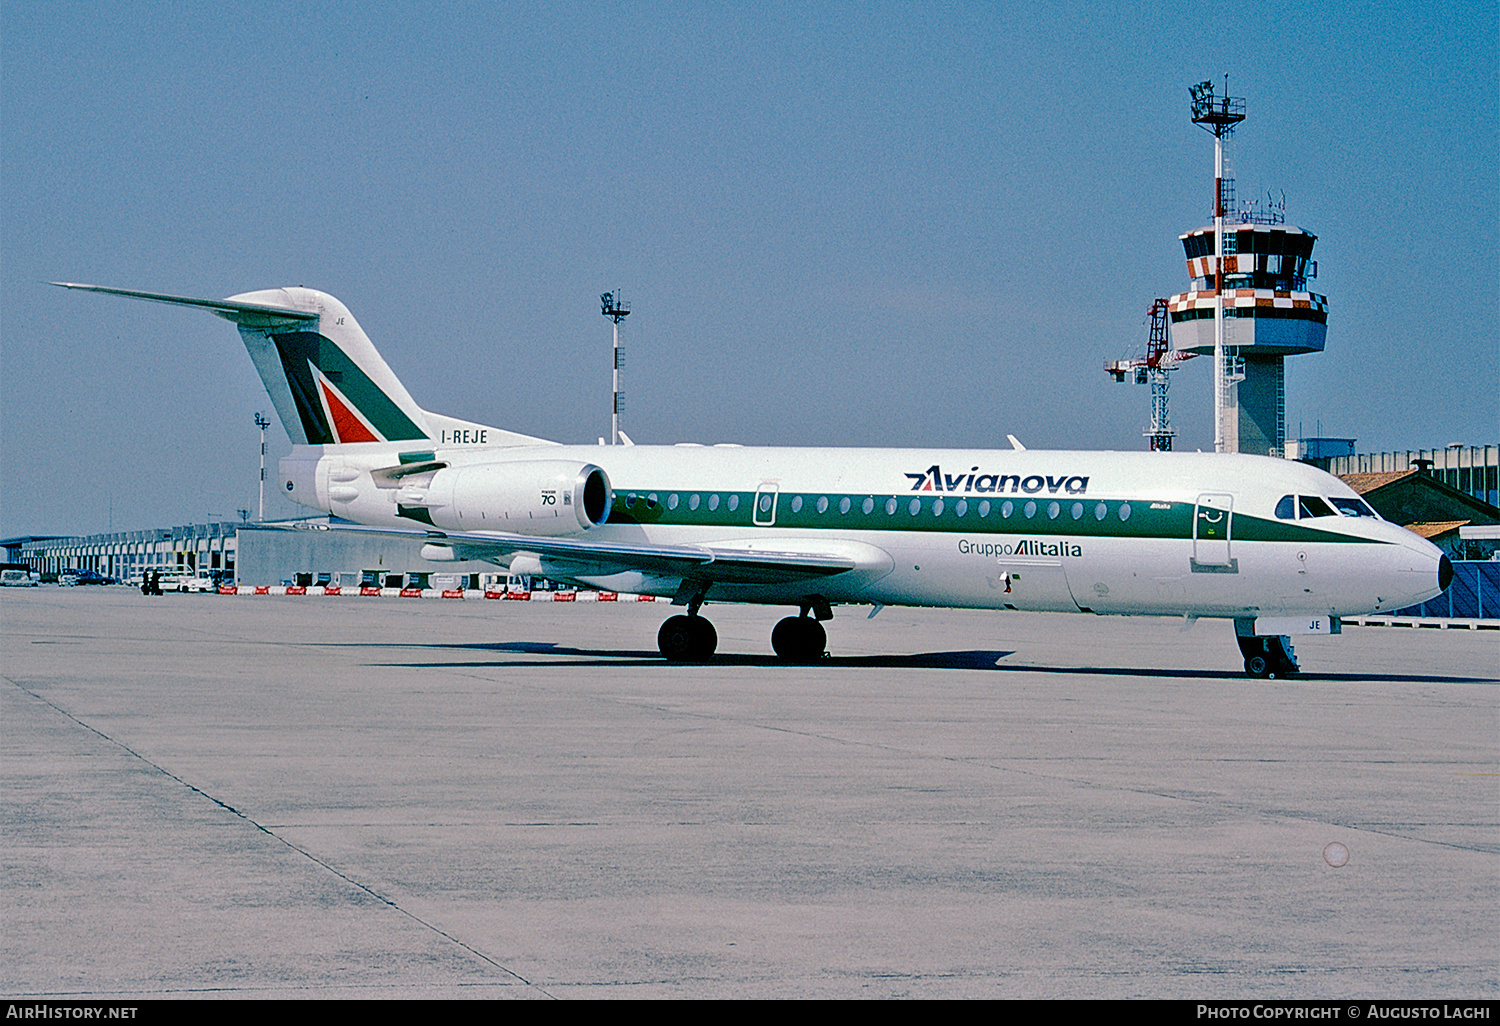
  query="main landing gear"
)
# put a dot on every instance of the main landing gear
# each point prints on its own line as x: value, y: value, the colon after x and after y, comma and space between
x: 687, y: 639
x: 691, y: 638
x: 1268, y: 656
x: 799, y: 639
x: 796, y: 639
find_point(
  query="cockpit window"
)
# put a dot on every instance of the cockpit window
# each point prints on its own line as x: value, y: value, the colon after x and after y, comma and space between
x: 1286, y: 509
x: 1352, y: 507
x: 1311, y: 506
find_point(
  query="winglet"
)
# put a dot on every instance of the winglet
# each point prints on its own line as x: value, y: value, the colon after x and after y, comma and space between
x: 1015, y: 443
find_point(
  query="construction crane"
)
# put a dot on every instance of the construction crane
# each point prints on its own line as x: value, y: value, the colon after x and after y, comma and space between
x: 1154, y: 370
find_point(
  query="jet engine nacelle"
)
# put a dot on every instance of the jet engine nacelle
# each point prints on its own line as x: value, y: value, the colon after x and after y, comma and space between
x: 542, y: 497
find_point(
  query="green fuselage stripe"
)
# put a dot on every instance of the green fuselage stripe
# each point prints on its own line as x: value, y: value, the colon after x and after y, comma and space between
x: 1075, y: 516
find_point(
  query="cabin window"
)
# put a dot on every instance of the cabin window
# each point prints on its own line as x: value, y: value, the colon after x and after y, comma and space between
x: 844, y: 504
x: 796, y: 503
x: 822, y: 504
x: 961, y: 507
x: 1007, y: 508
x: 733, y: 503
x: 984, y: 507
x: 1352, y: 507
x: 1311, y: 507
x: 890, y: 506
x: 765, y: 504
x: 713, y: 501
x: 672, y: 501
x: 1053, y: 509
x: 1286, y: 509
x: 914, y: 507
x: 1030, y: 510
x: 1124, y: 511
x: 1101, y: 511
x: 868, y: 506
x: 1077, y: 511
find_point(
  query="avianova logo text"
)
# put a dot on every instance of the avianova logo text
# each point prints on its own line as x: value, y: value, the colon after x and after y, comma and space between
x: 934, y: 480
x: 1024, y: 547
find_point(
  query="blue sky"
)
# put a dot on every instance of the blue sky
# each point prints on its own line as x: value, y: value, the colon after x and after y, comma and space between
x: 838, y: 224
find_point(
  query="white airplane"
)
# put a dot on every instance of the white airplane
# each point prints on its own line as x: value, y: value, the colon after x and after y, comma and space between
x: 1279, y: 547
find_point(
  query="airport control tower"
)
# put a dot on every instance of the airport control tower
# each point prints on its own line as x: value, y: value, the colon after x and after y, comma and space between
x: 1254, y: 267
x: 1269, y: 315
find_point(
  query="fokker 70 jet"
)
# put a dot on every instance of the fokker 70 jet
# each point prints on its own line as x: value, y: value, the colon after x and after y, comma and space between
x: 1279, y: 547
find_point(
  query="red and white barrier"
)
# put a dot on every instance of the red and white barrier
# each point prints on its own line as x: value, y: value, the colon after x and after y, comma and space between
x: 334, y: 591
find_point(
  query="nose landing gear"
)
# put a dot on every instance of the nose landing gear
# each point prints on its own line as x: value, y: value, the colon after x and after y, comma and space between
x: 1268, y: 656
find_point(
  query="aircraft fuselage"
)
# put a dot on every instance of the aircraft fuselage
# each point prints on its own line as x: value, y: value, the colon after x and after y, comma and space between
x: 1102, y: 532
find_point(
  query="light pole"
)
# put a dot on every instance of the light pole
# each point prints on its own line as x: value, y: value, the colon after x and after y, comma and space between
x: 262, y: 423
x: 616, y: 309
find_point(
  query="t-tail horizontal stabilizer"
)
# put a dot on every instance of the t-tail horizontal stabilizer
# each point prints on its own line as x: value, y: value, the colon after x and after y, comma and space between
x: 257, y: 315
x: 326, y: 380
x: 324, y: 376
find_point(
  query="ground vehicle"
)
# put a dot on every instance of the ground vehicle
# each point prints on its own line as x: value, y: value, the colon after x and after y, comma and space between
x: 185, y: 580
x: 171, y: 578
x: 71, y: 577
x: 16, y: 579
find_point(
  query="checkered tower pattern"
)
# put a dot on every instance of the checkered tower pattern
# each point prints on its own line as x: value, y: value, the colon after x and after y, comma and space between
x: 1270, y: 314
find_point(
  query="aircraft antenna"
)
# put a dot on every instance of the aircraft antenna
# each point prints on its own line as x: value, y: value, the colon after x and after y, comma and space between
x: 616, y: 309
x: 1220, y: 115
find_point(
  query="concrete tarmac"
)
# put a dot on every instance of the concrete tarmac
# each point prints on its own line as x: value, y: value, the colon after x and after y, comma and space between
x: 299, y: 797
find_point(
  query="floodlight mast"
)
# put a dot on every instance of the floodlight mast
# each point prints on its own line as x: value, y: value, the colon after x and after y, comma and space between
x: 614, y: 307
x: 1219, y: 115
x: 262, y: 423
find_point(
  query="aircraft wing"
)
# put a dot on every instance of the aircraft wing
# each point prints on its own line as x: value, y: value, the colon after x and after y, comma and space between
x: 728, y: 564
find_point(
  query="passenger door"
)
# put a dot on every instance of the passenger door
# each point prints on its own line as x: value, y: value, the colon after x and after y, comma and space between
x: 1213, y: 524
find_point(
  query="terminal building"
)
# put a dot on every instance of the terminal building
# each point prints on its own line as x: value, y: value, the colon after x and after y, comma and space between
x: 1472, y: 469
x: 125, y: 554
x: 247, y: 554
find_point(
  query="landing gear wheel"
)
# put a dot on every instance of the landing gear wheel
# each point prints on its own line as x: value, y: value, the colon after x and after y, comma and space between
x: 687, y: 639
x: 799, y: 639
x: 1268, y: 656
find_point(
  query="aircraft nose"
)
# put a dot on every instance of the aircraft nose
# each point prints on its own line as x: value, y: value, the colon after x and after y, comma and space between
x: 1419, y: 573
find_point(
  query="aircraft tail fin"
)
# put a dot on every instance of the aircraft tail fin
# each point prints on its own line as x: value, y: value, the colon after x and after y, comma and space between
x: 325, y: 378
